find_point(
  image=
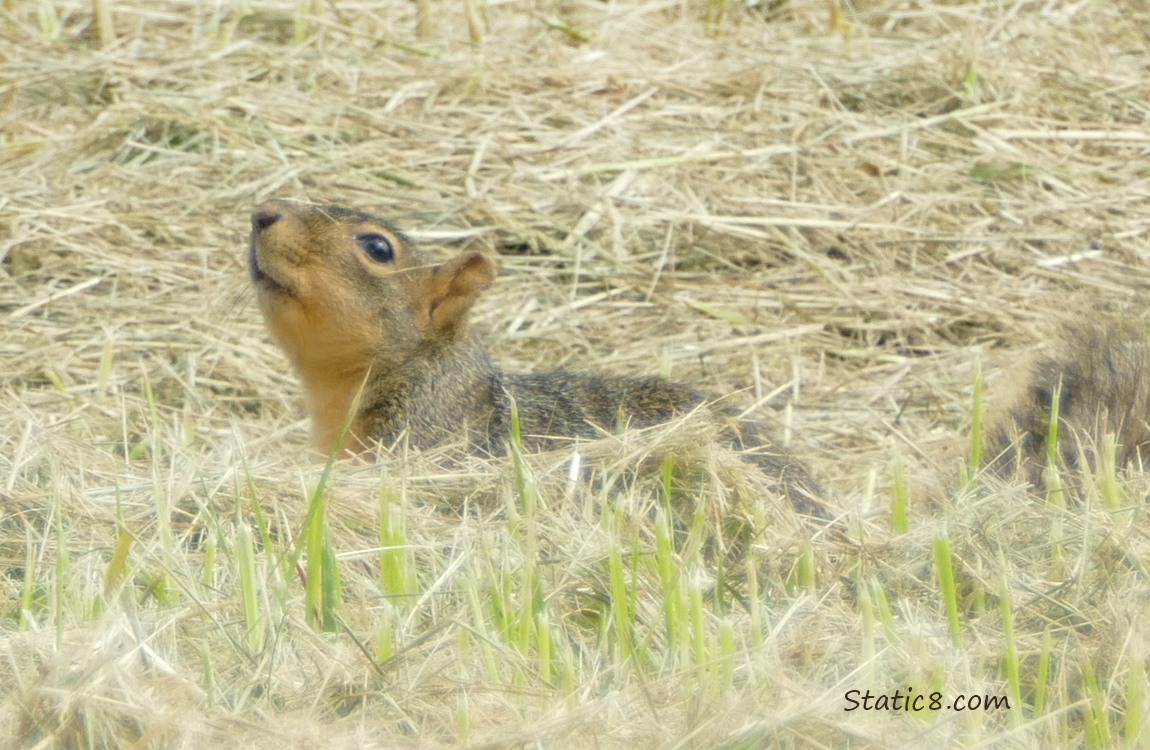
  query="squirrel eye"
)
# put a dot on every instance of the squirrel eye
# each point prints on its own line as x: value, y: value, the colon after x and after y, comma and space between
x: 377, y: 247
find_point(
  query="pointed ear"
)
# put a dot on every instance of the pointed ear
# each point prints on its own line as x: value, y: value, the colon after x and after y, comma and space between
x: 453, y: 289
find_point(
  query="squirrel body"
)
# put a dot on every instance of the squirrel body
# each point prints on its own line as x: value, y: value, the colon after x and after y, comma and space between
x: 359, y: 310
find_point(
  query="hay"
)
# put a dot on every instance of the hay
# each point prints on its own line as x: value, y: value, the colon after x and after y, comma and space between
x: 838, y: 223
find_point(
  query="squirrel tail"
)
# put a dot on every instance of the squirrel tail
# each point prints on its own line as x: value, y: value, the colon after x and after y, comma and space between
x: 1097, y: 381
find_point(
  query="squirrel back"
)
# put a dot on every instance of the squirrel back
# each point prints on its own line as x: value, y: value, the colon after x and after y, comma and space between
x: 359, y: 310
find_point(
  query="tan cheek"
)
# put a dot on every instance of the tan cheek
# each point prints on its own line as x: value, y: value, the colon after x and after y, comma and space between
x: 294, y: 320
x: 361, y: 340
x: 337, y: 331
x: 287, y: 325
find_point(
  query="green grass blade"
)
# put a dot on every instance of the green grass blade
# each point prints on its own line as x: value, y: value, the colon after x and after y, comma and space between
x: 620, y: 596
x: 249, y: 589
x: 976, y: 421
x: 900, y: 500
x: 1010, y: 657
x: 944, y: 564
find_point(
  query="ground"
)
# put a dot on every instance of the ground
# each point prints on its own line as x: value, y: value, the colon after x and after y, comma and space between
x: 837, y: 214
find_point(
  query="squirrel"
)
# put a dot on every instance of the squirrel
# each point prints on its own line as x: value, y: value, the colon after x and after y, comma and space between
x: 1097, y: 372
x: 359, y: 309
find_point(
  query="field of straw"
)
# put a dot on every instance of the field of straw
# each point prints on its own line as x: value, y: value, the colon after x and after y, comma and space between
x: 843, y: 216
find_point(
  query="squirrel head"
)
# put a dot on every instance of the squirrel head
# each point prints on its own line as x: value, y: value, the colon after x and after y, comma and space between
x: 343, y: 291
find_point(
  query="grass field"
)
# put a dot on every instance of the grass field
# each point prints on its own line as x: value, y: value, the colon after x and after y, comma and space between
x: 838, y: 214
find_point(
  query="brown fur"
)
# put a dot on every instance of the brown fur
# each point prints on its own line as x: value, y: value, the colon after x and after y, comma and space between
x: 400, y: 332
x: 1100, y: 374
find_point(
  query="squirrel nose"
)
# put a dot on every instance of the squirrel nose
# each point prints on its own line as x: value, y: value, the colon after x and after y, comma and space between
x: 264, y: 218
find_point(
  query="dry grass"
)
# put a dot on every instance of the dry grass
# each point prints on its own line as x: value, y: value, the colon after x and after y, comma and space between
x: 840, y: 222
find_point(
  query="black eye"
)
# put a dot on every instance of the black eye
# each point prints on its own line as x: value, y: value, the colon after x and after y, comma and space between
x: 377, y: 247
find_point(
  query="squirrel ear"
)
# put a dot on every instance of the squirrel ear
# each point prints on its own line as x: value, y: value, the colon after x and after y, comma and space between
x: 453, y: 289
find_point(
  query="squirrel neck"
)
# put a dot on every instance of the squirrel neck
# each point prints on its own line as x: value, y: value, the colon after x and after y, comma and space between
x: 446, y: 390
x: 330, y: 396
